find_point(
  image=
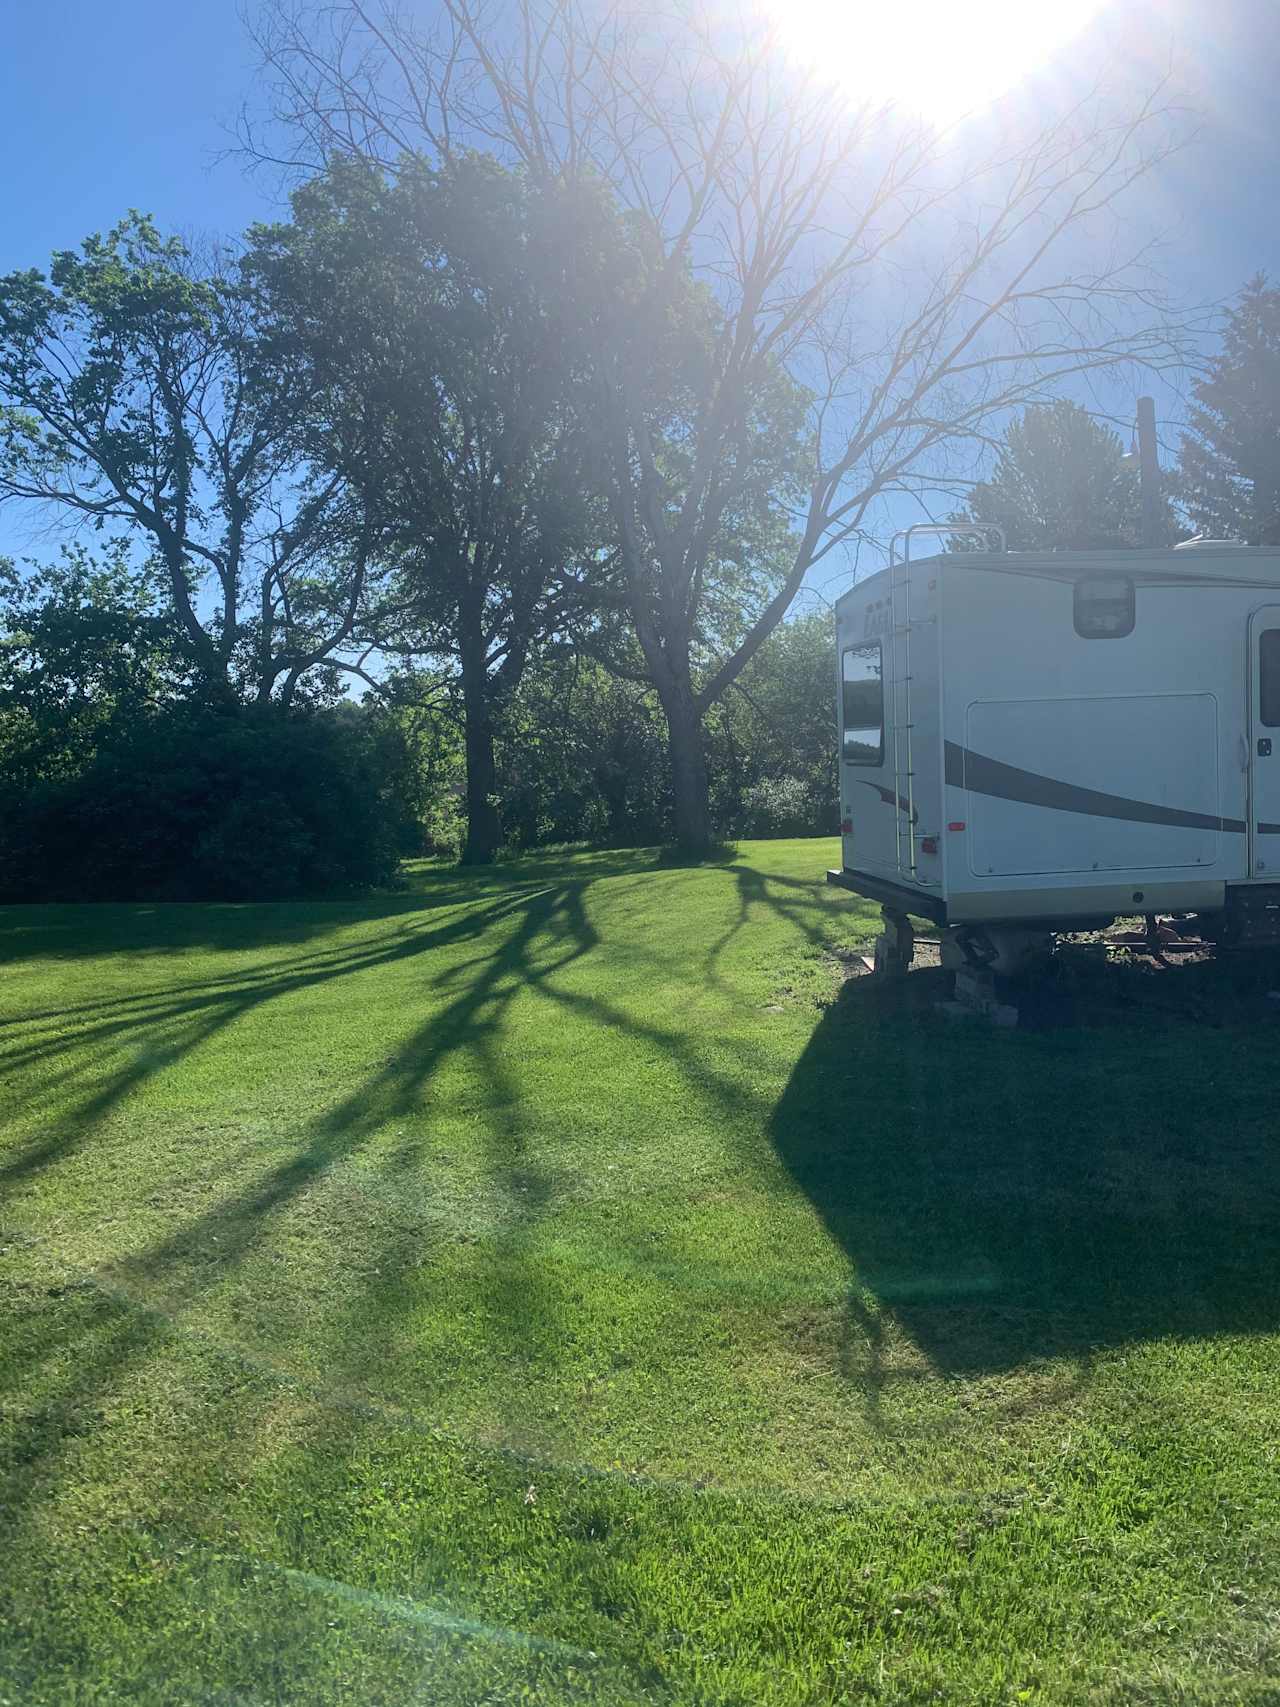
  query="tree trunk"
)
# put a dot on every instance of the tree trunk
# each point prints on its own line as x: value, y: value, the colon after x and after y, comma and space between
x: 484, y: 826
x: 689, y: 786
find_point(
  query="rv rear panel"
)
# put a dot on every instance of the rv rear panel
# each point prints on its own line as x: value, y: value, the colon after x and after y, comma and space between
x: 1062, y: 737
x: 1050, y: 784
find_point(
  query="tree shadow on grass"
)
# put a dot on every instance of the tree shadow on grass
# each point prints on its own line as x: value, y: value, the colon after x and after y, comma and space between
x: 525, y: 937
x: 797, y: 900
x: 79, y: 931
x: 534, y: 933
x: 1007, y: 1197
x: 120, y: 1041
x: 551, y: 930
x: 192, y: 1276
x: 200, y: 1253
x: 117, y: 1043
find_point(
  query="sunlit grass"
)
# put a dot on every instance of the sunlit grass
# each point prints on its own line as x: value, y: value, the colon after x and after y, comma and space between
x: 538, y: 1285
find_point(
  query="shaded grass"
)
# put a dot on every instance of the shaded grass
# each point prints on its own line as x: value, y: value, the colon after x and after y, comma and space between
x: 541, y: 1285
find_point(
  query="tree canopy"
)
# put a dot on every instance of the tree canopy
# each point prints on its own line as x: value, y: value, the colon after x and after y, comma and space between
x: 1062, y: 482
x: 432, y: 310
x: 1230, y: 458
x: 136, y: 394
x: 88, y: 645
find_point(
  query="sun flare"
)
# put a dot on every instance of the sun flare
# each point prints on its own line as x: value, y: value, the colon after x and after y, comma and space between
x: 939, y: 58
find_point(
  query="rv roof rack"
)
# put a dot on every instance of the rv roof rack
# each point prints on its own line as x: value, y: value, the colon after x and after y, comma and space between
x: 982, y: 530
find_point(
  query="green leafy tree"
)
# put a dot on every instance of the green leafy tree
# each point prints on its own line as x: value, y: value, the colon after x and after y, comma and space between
x: 1062, y: 483
x: 88, y: 645
x: 583, y: 754
x: 434, y: 313
x: 136, y: 394
x: 1230, y: 459
x: 772, y: 741
x: 119, y: 779
x: 583, y: 757
x: 416, y: 718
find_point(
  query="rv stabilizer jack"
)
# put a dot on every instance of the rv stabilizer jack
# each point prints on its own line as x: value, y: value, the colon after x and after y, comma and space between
x: 895, y: 947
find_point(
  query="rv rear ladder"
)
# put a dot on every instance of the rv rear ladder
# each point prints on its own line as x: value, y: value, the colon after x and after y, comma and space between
x: 985, y: 531
x: 902, y: 721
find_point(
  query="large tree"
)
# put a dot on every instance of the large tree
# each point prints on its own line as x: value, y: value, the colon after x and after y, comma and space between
x: 88, y: 647
x: 1061, y: 481
x: 433, y: 309
x: 135, y: 394
x: 1230, y: 459
x: 913, y: 287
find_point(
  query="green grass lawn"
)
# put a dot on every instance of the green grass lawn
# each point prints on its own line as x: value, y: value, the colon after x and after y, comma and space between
x: 545, y: 1285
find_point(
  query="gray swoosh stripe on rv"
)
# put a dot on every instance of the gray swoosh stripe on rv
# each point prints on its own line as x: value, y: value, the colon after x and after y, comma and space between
x: 967, y: 769
x: 892, y: 799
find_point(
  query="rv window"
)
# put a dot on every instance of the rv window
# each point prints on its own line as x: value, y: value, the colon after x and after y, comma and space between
x: 862, y: 707
x: 1269, y: 677
x: 1104, y: 607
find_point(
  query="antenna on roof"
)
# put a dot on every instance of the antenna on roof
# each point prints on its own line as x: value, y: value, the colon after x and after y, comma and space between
x: 1143, y: 446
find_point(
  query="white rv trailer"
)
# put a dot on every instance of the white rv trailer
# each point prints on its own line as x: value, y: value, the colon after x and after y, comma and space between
x: 1052, y: 740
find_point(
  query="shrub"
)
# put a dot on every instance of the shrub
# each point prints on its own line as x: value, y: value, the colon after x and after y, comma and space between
x: 778, y: 806
x: 202, y: 805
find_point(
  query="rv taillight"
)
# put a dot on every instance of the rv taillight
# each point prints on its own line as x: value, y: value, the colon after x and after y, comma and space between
x: 957, y: 824
x: 846, y: 826
x: 929, y: 844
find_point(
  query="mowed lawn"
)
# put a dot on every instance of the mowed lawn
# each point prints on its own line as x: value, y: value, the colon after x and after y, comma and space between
x: 546, y: 1285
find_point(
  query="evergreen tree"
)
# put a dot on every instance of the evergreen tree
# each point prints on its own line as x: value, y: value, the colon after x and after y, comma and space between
x: 1062, y: 483
x: 1230, y: 460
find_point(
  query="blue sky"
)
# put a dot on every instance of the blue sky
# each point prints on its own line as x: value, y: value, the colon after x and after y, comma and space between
x: 106, y: 107
x: 1216, y: 200
x: 103, y: 108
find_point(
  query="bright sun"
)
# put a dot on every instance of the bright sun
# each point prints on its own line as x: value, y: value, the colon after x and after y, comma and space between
x: 940, y: 58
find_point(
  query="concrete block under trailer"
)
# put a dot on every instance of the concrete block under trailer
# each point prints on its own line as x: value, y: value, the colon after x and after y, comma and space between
x: 1031, y: 742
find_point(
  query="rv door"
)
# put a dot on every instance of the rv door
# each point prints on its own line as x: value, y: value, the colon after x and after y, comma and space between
x: 1264, y: 742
